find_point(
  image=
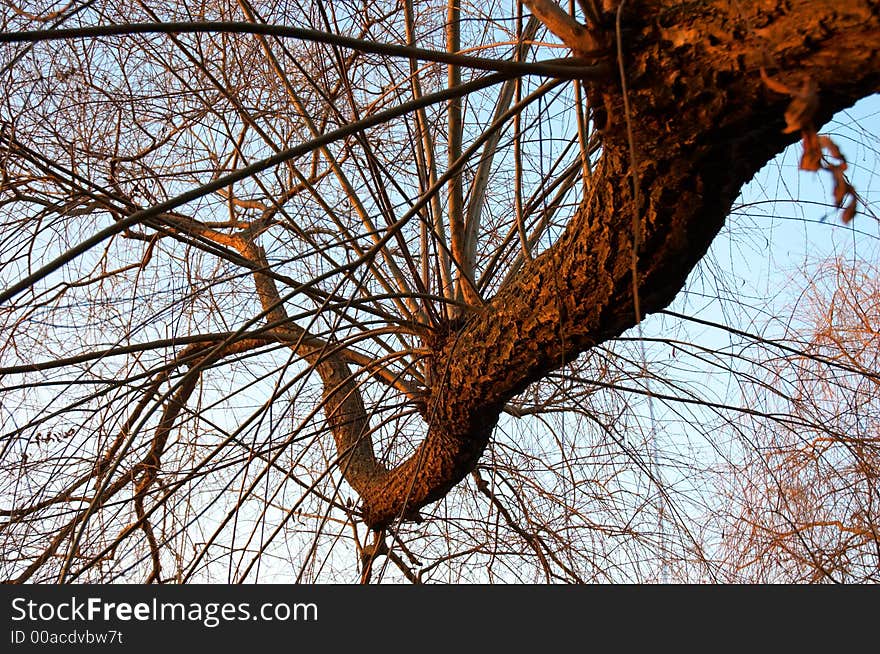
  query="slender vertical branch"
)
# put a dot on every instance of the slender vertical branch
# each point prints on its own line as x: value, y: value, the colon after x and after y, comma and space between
x: 519, y: 217
x: 342, y: 178
x: 427, y: 161
x: 455, y: 195
x: 480, y: 184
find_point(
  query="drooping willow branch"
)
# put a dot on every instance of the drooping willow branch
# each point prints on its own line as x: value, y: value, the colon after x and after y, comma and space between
x: 143, y: 473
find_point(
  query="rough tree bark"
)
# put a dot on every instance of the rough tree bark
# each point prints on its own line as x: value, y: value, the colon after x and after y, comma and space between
x: 703, y: 123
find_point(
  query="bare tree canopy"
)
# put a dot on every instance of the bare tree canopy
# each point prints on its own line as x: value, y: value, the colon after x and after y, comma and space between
x: 278, y: 276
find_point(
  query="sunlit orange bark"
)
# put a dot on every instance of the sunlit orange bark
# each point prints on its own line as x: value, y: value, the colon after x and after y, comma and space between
x: 703, y: 123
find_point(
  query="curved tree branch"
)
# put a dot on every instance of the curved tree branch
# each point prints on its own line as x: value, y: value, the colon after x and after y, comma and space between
x: 704, y: 123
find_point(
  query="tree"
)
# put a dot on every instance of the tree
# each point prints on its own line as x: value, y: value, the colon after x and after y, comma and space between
x: 804, y: 505
x: 229, y: 238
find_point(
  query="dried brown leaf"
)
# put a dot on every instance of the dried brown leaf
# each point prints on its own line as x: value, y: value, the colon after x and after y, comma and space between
x: 849, y: 212
x: 817, y: 151
x: 826, y: 143
x: 802, y: 109
x: 842, y: 188
x: 812, y: 157
x: 775, y: 85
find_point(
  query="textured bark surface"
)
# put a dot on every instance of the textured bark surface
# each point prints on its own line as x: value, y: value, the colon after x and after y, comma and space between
x: 703, y: 124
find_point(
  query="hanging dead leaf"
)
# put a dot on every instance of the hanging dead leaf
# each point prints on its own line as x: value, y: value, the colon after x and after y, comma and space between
x: 812, y: 157
x: 820, y: 151
x: 826, y: 143
x: 800, y: 113
x: 805, y: 101
x: 849, y: 212
x: 842, y: 187
x: 774, y: 85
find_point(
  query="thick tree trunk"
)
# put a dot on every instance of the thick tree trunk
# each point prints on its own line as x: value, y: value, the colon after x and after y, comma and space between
x: 703, y: 124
